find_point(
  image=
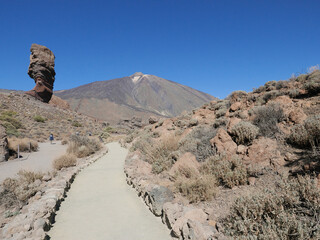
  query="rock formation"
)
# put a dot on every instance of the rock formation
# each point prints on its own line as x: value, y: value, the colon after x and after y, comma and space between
x: 41, y: 69
x: 4, y: 152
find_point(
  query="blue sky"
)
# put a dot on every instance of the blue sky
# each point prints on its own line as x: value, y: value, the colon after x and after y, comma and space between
x: 216, y: 46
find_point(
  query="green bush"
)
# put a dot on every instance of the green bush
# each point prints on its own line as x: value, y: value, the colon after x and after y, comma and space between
x: 76, y: 124
x: 39, y: 118
x: 15, y: 122
x: 267, y: 117
x: 244, y: 132
x: 290, y: 211
x: 229, y: 173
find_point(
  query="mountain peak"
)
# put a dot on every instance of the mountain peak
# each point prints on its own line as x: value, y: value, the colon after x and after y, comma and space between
x: 136, y: 77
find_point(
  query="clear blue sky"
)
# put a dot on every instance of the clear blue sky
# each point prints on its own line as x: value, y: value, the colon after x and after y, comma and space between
x: 216, y: 46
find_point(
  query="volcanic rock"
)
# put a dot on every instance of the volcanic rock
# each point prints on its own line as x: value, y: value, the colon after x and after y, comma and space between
x: 41, y: 69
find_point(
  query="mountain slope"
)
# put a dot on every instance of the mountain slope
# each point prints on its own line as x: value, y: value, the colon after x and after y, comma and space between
x: 139, y: 95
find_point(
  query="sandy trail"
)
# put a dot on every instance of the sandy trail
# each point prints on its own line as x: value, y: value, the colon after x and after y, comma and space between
x: 35, y: 161
x: 100, y: 205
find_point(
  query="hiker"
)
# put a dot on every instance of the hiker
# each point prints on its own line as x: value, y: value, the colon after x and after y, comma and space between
x: 51, y: 138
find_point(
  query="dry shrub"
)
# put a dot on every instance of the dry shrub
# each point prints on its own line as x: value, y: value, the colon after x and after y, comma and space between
x: 198, y: 142
x: 267, y: 117
x: 17, y: 191
x: 64, y: 161
x: 291, y: 211
x: 221, y: 112
x: 228, y: 172
x: 25, y: 144
x: 196, y: 187
x: 82, y: 146
x: 306, y: 134
x: 237, y: 96
x: 159, y: 154
x: 244, y: 132
x: 64, y: 142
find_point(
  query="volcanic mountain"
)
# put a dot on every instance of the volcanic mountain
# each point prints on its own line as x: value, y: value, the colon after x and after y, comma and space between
x: 140, y: 95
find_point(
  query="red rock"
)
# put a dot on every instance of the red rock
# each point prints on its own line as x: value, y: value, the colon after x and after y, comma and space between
x: 187, y: 160
x: 223, y: 143
x: 41, y: 69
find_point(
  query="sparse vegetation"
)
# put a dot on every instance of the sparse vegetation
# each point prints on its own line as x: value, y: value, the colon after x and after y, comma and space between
x: 64, y: 161
x: 39, y: 118
x: 76, y: 124
x: 10, y: 123
x: 306, y: 134
x: 198, y: 142
x: 291, y: 211
x: 17, y: 191
x: 267, y: 117
x: 82, y: 146
x: 228, y: 172
x: 195, y: 187
x: 244, y: 132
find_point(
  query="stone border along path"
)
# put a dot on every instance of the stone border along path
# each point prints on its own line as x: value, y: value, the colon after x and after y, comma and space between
x: 36, y: 218
x: 100, y: 205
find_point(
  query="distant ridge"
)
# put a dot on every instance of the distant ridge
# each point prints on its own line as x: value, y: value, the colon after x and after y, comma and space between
x: 140, y: 95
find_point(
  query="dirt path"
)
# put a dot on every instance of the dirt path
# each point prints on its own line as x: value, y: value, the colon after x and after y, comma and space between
x: 35, y: 161
x: 100, y: 205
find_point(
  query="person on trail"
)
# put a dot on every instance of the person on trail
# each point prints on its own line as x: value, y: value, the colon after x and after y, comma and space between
x: 51, y: 138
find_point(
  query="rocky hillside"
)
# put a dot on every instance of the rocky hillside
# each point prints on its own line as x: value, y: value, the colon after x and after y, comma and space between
x: 23, y: 116
x: 139, y: 95
x: 246, y: 167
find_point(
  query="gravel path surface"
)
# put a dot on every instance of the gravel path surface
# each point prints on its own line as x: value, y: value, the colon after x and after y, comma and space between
x: 35, y: 161
x: 101, y: 206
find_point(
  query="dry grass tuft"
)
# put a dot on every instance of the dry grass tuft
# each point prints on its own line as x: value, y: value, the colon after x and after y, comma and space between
x: 195, y: 187
x: 82, y: 146
x: 64, y: 161
x: 25, y: 144
x: 17, y: 191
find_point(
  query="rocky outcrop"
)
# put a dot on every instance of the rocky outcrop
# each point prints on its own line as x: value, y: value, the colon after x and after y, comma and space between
x: 133, y: 123
x: 4, y: 151
x: 41, y: 69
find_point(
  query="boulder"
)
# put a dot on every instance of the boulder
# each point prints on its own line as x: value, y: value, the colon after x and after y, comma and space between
x: 4, y: 150
x: 41, y: 69
x: 187, y: 160
x: 158, y: 196
x: 264, y: 151
x: 223, y: 143
x: 297, y: 116
x: 153, y: 120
